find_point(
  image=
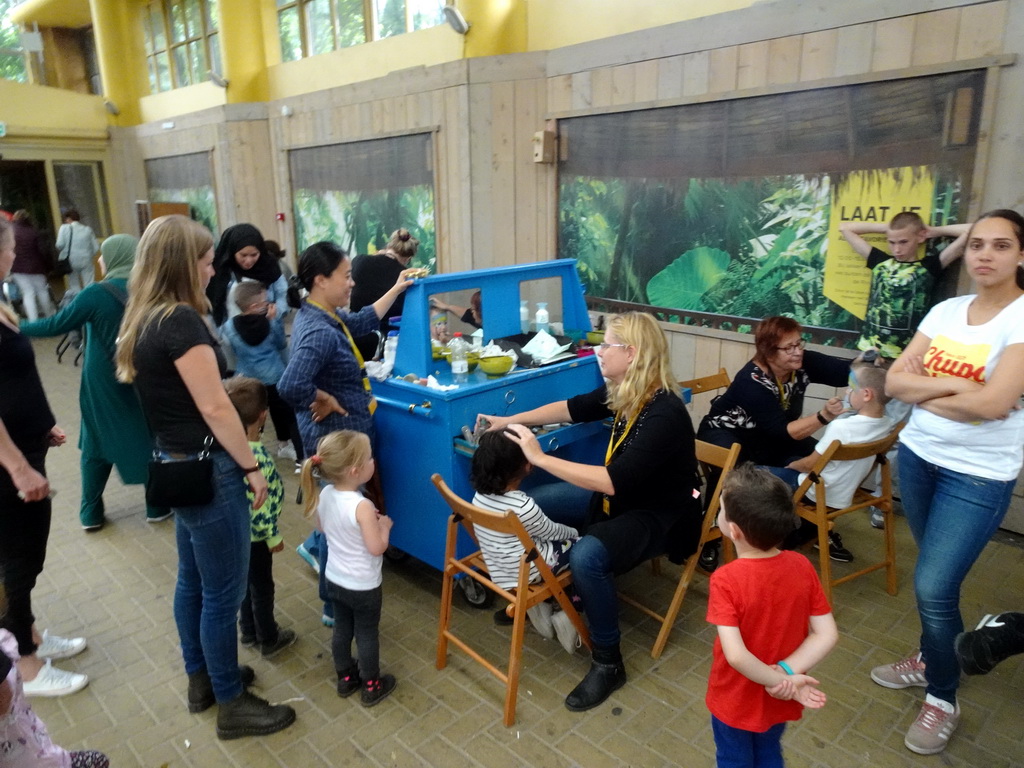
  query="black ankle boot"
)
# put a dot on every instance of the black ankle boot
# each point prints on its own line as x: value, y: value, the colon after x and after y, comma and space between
x: 349, y: 682
x: 249, y: 715
x: 200, y: 689
x: 607, y: 674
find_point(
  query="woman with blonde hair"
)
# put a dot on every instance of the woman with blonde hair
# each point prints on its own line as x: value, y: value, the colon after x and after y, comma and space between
x: 172, y: 356
x: 642, y: 498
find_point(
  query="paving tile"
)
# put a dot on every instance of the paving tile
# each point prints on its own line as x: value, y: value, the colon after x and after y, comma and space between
x: 116, y: 588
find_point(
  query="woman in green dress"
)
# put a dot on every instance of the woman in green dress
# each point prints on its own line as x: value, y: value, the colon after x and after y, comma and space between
x: 114, y: 430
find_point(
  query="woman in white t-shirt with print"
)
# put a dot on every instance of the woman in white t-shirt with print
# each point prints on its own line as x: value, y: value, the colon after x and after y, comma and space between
x: 959, y: 455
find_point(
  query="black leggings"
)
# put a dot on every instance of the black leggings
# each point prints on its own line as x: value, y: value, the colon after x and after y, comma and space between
x: 283, y: 417
x: 24, y: 531
x: 356, y: 614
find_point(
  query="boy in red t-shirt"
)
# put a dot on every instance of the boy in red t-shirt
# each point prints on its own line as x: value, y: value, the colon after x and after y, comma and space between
x: 773, y: 621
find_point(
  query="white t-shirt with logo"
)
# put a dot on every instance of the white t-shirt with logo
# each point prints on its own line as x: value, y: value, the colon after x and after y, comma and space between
x: 989, y: 449
x: 842, y: 478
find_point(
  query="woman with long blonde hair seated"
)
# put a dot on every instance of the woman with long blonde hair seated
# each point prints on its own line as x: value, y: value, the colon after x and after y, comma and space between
x: 642, y: 498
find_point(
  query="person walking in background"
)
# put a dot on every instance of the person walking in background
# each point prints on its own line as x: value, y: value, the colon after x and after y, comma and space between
x: 76, y: 242
x: 31, y: 266
x: 114, y: 432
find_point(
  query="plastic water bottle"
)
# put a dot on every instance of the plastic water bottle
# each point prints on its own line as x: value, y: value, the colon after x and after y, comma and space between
x: 391, y: 348
x: 459, y: 363
x: 524, y: 316
x: 540, y: 319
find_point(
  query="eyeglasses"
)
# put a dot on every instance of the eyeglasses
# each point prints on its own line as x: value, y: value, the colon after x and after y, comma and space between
x: 605, y: 346
x: 792, y: 349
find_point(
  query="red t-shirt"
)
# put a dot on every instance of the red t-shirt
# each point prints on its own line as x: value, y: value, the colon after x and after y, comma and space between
x: 771, y: 600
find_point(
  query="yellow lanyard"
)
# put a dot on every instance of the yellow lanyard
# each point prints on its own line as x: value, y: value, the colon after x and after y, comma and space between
x: 613, y: 446
x: 372, y: 406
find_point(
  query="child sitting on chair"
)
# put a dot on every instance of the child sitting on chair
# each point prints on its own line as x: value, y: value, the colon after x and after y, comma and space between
x: 498, y: 468
x: 865, y: 400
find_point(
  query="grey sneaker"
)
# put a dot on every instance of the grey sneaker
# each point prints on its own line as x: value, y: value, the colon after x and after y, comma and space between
x: 930, y: 732
x: 903, y: 674
x: 56, y: 647
x: 540, y: 617
x: 877, y: 518
x: 567, y: 635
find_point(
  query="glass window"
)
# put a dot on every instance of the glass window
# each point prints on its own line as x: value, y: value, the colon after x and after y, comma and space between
x: 309, y: 27
x: 192, y: 44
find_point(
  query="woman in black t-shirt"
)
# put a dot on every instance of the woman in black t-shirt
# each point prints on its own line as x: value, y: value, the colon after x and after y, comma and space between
x: 643, y: 501
x: 169, y: 352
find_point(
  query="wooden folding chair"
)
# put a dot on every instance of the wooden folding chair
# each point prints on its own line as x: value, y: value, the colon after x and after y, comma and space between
x: 819, y: 513
x: 704, y: 384
x: 521, y: 598
x: 713, y: 458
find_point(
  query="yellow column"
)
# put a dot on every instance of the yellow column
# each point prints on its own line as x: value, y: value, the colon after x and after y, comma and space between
x: 121, y: 58
x: 496, y: 26
x: 241, y: 44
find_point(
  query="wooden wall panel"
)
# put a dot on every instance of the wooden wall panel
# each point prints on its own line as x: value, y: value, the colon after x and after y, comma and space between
x: 722, y: 69
x: 784, y: 60
x: 854, y: 48
x: 646, y: 81
x: 499, y: 178
x: 695, y: 73
x: 981, y: 30
x: 935, y: 37
x: 623, y: 85
x: 581, y: 91
x: 559, y: 94
x: 818, y: 55
x: 601, y: 88
x: 752, y: 69
x: 670, y: 78
x: 894, y: 44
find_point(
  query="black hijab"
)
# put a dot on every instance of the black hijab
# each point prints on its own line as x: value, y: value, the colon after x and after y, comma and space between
x: 266, y: 269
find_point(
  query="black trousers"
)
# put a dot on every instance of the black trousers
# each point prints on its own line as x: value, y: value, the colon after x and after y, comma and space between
x: 256, y: 617
x: 24, y: 531
x: 283, y: 418
x: 356, y: 614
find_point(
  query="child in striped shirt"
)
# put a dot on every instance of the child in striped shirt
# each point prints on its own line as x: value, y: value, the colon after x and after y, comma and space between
x: 498, y: 469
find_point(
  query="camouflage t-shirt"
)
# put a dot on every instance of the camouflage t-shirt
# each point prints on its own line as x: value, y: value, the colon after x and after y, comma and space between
x: 264, y: 519
x: 901, y: 294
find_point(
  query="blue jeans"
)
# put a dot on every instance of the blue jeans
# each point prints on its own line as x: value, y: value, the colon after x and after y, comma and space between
x: 213, y: 566
x: 564, y: 503
x: 615, y: 546
x: 952, y: 517
x: 736, y: 748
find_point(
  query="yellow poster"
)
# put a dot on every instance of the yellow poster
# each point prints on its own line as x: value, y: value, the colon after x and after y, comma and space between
x: 875, y: 197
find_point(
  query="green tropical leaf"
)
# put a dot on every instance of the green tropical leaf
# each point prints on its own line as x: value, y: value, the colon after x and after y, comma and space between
x: 683, y: 283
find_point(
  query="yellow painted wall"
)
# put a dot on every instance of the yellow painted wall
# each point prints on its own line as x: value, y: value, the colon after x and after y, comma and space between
x: 567, y: 22
x: 425, y: 47
x: 181, y: 101
x: 37, y: 110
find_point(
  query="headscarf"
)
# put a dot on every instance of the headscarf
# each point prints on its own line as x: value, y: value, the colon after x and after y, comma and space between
x: 233, y: 239
x: 118, y: 252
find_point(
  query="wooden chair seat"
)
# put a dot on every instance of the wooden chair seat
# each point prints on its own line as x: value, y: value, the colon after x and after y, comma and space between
x: 520, y: 598
x: 819, y: 513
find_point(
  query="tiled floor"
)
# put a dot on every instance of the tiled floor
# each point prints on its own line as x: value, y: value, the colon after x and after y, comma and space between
x: 115, y: 587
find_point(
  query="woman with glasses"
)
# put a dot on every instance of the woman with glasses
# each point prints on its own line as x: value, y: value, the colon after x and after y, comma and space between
x: 640, y: 501
x: 763, y: 408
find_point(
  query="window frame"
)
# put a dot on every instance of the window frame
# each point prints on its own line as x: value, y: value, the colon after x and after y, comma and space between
x: 206, y: 36
x: 302, y: 9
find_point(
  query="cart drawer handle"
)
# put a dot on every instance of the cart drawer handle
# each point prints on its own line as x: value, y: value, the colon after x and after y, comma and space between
x: 510, y: 397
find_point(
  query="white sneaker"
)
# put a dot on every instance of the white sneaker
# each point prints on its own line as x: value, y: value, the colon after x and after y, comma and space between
x: 55, y: 647
x: 55, y: 682
x: 540, y: 617
x: 286, y: 451
x: 567, y: 634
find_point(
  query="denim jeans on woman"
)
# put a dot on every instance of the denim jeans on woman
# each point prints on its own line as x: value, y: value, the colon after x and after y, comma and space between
x: 213, y: 566
x: 952, y: 517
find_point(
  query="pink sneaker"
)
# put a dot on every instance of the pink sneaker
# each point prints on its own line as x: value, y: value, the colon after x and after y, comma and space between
x: 903, y: 674
x: 930, y: 733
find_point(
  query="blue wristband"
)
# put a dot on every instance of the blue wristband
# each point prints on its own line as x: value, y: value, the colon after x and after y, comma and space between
x: 785, y: 667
